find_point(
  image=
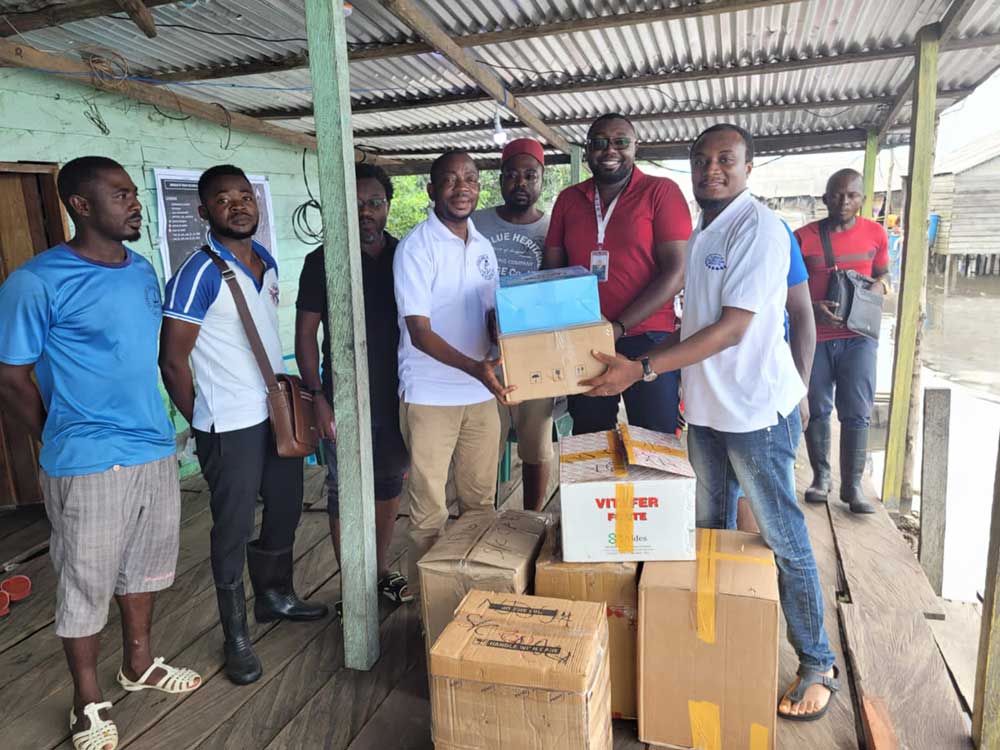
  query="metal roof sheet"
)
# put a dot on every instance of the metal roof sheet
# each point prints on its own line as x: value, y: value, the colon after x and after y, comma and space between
x: 201, y: 33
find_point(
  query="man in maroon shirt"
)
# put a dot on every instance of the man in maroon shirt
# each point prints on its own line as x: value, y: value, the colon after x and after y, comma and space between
x: 843, y: 370
x: 631, y: 230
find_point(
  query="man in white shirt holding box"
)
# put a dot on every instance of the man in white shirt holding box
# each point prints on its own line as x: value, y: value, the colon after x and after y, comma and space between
x: 445, y: 278
x: 742, y: 391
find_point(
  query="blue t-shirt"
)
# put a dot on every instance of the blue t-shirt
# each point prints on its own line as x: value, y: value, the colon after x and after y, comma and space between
x: 797, y: 272
x: 91, y: 330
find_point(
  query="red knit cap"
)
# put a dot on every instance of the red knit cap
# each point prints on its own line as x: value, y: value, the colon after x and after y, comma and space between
x: 528, y: 146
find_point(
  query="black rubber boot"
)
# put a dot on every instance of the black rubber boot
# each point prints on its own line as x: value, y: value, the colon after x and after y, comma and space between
x: 242, y: 664
x: 853, y: 457
x: 818, y: 447
x: 271, y: 576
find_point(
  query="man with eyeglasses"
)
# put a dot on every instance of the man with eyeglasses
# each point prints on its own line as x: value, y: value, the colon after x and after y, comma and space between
x: 390, y: 460
x: 446, y: 276
x: 630, y: 229
x: 517, y: 230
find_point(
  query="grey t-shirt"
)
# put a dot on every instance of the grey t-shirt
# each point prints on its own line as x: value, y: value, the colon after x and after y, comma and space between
x: 518, y: 247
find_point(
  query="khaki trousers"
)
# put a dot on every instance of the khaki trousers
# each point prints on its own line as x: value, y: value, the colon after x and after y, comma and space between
x: 437, y: 437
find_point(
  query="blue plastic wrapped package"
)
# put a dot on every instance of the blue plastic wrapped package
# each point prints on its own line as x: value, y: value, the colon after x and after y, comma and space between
x: 547, y: 300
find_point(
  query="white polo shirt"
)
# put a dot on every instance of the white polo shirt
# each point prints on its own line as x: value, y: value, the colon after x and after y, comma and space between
x: 230, y: 393
x: 453, y: 283
x: 741, y: 260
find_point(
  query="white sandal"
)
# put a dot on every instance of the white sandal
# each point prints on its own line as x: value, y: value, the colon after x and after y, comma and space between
x: 102, y: 734
x: 175, y: 680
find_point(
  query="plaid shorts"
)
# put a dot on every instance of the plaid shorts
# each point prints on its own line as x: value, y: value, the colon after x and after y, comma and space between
x: 115, y: 532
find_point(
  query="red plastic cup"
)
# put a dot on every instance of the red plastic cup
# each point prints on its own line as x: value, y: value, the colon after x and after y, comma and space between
x: 16, y: 587
x: 4, y: 603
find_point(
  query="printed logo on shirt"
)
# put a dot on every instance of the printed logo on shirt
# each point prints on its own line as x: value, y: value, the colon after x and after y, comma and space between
x: 486, y: 269
x: 715, y: 262
x: 273, y: 289
x: 153, y: 300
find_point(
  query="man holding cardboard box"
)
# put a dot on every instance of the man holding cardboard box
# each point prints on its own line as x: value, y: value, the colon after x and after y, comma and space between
x: 742, y: 391
x: 630, y: 230
x: 517, y: 230
x: 445, y: 275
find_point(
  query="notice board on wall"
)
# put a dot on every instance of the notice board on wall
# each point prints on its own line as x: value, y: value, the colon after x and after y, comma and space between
x: 182, y: 230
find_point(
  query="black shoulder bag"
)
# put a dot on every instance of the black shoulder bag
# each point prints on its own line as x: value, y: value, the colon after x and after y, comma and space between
x: 858, y: 305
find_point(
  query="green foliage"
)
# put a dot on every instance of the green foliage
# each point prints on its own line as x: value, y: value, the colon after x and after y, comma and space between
x: 410, y: 203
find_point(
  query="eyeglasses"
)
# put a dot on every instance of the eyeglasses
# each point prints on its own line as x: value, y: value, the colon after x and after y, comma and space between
x: 373, y: 204
x: 602, y: 144
x: 451, y: 180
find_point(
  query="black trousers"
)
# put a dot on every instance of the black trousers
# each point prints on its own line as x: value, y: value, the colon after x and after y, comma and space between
x: 239, y: 465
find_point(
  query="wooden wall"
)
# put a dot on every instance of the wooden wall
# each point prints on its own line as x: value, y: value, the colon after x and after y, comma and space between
x: 969, y: 206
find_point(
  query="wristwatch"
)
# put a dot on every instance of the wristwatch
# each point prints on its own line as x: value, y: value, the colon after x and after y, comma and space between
x: 648, y: 376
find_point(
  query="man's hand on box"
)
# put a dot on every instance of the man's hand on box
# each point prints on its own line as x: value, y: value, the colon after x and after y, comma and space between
x: 621, y: 373
x: 486, y: 373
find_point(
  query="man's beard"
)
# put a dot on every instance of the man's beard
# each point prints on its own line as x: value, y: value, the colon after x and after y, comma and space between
x: 232, y: 234
x: 712, y: 204
x: 617, y: 176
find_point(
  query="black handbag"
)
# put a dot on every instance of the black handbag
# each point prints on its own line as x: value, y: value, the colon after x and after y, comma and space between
x: 857, y: 304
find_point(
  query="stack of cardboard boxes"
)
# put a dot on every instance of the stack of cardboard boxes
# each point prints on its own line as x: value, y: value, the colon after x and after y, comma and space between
x: 550, y: 322
x: 687, y: 643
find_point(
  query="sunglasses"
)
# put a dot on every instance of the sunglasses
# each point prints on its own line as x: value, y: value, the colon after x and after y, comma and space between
x: 373, y: 204
x: 602, y: 144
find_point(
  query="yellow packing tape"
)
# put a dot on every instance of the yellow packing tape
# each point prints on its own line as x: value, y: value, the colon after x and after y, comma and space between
x: 706, y: 725
x: 708, y: 557
x: 707, y: 541
x: 624, y: 523
x: 758, y: 737
x: 631, y: 445
x: 611, y: 452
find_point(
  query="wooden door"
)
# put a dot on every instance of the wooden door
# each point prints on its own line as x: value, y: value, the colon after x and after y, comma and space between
x: 31, y: 220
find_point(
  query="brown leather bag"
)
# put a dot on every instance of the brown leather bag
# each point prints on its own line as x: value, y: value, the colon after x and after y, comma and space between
x: 289, y: 403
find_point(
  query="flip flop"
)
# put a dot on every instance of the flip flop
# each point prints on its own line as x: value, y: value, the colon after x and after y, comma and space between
x: 17, y: 587
x: 394, y: 588
x: 4, y: 603
x: 102, y: 735
x: 175, y: 680
x: 807, y: 678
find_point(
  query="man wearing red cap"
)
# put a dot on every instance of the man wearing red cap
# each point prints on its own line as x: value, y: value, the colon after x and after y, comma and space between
x: 517, y: 231
x: 631, y: 230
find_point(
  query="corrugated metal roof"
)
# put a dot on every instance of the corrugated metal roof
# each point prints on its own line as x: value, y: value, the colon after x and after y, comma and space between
x: 246, y: 31
x: 969, y: 156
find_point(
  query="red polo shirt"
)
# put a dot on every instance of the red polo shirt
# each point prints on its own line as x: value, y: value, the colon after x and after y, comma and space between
x: 861, y: 248
x: 650, y: 210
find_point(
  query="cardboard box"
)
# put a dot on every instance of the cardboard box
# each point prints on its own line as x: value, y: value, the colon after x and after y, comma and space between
x: 547, y: 300
x: 547, y: 364
x: 708, y: 646
x: 522, y: 673
x: 616, y: 585
x: 494, y: 552
x: 627, y: 494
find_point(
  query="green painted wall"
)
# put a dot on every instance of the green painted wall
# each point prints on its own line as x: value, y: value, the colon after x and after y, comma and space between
x: 44, y: 119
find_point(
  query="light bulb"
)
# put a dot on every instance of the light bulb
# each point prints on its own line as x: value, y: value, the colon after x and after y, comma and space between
x: 499, y: 134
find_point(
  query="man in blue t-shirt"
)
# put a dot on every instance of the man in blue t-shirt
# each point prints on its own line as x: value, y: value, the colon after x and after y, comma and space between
x: 84, y: 317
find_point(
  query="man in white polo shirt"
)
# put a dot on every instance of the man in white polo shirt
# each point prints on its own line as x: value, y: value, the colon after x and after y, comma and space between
x: 228, y: 413
x: 741, y: 391
x: 445, y: 278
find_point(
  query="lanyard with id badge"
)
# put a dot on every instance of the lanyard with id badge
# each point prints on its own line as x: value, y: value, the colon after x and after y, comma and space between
x: 600, y: 260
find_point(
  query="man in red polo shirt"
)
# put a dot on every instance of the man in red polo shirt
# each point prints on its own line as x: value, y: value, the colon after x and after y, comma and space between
x: 844, y: 366
x: 631, y: 230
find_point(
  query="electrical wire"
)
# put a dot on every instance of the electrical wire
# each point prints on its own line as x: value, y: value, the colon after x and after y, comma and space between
x: 301, y: 225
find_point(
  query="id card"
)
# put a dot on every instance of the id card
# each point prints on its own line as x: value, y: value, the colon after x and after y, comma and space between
x: 599, y: 262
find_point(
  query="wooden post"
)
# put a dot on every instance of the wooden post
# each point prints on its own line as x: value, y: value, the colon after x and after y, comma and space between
x: 914, y: 259
x: 934, y: 484
x: 575, y: 164
x: 871, y: 160
x: 986, y: 709
x: 332, y: 106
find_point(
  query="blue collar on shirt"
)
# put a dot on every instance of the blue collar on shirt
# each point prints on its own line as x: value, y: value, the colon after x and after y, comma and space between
x: 258, y: 248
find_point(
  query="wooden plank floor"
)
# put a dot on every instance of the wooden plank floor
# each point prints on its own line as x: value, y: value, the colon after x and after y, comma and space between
x: 307, y: 698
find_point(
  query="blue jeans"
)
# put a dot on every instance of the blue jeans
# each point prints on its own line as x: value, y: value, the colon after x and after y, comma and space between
x: 844, y: 372
x: 763, y: 462
x: 651, y: 405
